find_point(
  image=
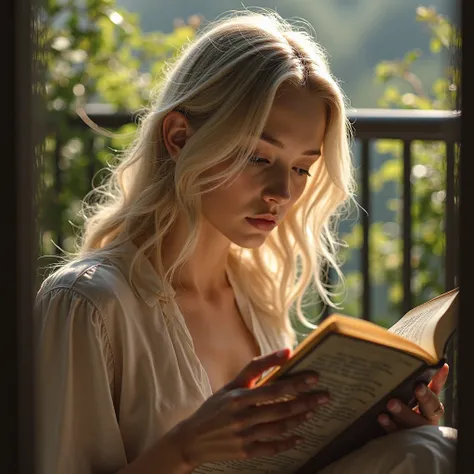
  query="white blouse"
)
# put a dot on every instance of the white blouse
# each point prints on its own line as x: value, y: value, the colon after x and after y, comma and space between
x: 116, y: 369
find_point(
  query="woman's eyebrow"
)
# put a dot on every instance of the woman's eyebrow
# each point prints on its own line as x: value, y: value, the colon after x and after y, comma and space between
x: 273, y: 141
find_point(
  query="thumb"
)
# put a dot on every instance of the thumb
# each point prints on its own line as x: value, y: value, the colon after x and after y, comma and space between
x: 440, y: 378
x: 252, y: 371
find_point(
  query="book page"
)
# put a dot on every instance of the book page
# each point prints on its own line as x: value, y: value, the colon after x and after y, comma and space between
x: 357, y: 375
x: 421, y: 324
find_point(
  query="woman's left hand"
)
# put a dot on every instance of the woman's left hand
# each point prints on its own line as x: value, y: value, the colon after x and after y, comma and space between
x: 428, y: 411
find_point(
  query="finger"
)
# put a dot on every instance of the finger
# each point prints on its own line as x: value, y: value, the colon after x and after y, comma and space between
x: 439, y: 380
x: 429, y: 404
x: 276, y: 428
x: 270, y: 448
x: 404, y: 416
x: 257, y: 367
x: 239, y: 447
x: 281, y: 390
x: 255, y: 415
x: 387, y: 423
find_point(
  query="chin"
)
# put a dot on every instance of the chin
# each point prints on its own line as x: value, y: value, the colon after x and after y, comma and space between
x: 251, y: 246
x: 249, y: 241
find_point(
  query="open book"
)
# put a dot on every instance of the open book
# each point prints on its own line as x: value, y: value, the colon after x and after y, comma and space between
x: 362, y: 365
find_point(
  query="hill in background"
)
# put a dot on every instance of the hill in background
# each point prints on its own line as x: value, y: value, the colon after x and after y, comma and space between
x: 357, y: 34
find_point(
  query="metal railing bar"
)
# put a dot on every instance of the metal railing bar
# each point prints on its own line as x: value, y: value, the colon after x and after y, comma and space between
x: 405, y: 124
x: 367, y: 123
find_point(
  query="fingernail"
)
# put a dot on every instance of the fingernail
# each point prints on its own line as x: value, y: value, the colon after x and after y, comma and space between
x: 282, y: 353
x: 311, y: 380
x: 323, y: 399
x: 421, y: 390
x: 394, y: 406
x: 309, y: 415
x: 384, y: 420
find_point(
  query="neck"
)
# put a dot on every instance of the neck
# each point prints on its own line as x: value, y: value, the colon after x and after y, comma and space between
x: 204, y: 272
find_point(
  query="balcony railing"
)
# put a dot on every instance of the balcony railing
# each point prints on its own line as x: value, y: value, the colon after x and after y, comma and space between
x: 369, y: 125
x: 407, y: 125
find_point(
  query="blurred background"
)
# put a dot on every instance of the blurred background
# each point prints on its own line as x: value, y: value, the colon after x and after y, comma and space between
x: 357, y: 34
x: 106, y: 55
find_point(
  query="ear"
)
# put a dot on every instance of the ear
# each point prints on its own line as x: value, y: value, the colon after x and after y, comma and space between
x: 176, y: 131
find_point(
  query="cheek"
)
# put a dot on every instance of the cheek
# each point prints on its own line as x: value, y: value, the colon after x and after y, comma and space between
x: 299, y: 185
x: 230, y: 196
x: 242, y: 188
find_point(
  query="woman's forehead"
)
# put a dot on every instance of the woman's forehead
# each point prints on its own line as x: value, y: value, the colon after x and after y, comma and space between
x: 301, y: 118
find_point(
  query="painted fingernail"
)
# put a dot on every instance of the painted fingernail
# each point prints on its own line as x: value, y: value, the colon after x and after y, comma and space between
x: 421, y: 390
x: 394, y: 406
x: 323, y: 399
x: 384, y: 420
x: 311, y: 380
x: 309, y: 415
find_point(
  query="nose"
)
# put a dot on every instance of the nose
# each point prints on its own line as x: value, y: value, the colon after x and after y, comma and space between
x: 277, y: 189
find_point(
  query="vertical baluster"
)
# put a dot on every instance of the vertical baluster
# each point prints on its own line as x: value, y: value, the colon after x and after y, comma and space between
x: 58, y: 188
x: 450, y: 221
x: 407, y: 223
x: 91, y: 164
x: 365, y: 175
x: 327, y: 280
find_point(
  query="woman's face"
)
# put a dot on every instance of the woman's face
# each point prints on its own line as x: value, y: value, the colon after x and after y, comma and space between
x: 276, y: 174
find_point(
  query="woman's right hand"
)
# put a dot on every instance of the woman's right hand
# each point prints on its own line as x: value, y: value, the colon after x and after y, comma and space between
x: 239, y: 421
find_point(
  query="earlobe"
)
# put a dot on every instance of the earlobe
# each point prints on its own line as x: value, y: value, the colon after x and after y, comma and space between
x: 176, y: 131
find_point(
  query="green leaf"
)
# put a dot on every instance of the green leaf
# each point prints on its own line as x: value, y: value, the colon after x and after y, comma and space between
x: 392, y: 147
x: 412, y: 56
x: 392, y: 94
x: 386, y: 70
x: 73, y: 22
x: 424, y: 13
x: 435, y: 45
x: 396, y: 293
x: 391, y: 170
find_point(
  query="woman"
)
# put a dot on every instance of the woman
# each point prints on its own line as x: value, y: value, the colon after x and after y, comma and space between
x: 212, y: 226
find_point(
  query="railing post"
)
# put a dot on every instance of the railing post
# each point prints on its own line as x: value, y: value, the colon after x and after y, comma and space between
x: 451, y: 271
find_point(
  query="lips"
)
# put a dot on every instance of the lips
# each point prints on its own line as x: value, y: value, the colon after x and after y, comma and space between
x: 262, y: 224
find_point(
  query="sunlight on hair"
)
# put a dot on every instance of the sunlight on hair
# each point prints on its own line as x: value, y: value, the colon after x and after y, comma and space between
x: 225, y: 82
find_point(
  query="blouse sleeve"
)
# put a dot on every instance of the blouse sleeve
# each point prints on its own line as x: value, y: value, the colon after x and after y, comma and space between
x: 78, y: 430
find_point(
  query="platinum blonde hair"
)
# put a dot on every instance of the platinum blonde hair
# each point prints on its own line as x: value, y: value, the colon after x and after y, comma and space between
x: 225, y: 82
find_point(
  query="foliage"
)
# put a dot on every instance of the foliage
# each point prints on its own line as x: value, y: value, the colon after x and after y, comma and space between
x: 428, y: 178
x: 95, y: 53
x: 98, y: 53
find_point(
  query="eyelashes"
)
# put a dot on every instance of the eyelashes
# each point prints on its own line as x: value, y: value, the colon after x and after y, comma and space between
x: 259, y: 161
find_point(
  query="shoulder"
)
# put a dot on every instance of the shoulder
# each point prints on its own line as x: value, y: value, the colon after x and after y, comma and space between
x: 96, y: 279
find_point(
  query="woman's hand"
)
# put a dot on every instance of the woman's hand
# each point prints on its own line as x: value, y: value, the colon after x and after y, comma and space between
x: 428, y: 411
x: 241, y: 422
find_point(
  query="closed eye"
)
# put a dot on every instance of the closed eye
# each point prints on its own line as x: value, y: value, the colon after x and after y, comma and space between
x: 302, y: 171
x: 258, y: 160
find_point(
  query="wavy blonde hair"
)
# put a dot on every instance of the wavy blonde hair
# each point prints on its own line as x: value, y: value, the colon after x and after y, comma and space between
x: 225, y: 82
